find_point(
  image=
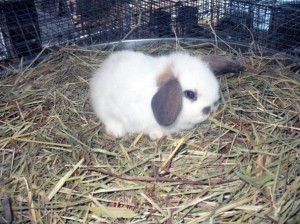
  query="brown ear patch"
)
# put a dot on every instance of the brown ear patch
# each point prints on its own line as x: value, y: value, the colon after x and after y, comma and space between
x: 165, y: 75
x: 166, y: 104
x: 221, y: 65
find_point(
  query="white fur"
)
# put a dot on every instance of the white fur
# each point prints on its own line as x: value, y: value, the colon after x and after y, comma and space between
x: 122, y: 89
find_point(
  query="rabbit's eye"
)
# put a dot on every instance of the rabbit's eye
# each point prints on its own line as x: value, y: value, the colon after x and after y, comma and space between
x: 190, y: 95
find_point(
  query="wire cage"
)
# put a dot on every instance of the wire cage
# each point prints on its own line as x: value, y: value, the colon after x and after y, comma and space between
x: 28, y: 26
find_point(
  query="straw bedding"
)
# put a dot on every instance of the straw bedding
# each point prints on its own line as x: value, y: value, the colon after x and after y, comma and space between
x: 58, y: 166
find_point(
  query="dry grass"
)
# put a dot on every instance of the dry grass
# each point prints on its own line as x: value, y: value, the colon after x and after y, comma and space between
x: 240, y: 166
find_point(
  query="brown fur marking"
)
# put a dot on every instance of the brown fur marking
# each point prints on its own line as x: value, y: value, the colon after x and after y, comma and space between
x: 165, y: 75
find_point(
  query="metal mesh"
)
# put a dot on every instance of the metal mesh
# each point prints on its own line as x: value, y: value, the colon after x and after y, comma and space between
x: 26, y: 26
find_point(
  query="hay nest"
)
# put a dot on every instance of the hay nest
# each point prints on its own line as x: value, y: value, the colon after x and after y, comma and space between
x: 58, y: 166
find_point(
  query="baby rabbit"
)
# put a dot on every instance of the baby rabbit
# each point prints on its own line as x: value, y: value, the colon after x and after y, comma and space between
x: 133, y: 92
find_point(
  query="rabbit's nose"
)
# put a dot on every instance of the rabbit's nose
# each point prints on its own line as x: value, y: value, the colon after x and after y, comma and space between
x: 206, y: 110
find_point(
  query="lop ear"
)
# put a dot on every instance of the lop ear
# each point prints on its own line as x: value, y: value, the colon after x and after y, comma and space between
x: 167, y: 102
x: 221, y: 65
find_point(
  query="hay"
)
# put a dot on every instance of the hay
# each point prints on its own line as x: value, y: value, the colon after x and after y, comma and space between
x: 58, y: 166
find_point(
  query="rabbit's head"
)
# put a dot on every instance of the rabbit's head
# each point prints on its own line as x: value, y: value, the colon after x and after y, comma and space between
x: 188, y: 92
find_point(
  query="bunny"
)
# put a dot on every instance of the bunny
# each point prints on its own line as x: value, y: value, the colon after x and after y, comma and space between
x: 133, y: 92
